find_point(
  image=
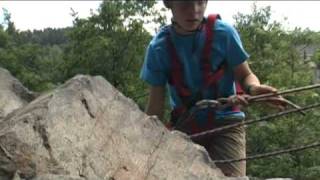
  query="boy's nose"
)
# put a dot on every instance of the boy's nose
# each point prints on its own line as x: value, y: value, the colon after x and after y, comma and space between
x: 194, y: 10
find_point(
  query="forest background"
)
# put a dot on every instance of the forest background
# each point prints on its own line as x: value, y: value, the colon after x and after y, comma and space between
x: 112, y: 43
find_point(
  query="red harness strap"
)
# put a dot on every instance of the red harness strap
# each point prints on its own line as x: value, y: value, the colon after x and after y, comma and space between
x: 176, y: 76
x: 176, y: 79
x: 209, y: 77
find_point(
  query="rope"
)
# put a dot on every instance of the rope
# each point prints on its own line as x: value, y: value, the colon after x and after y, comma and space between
x: 274, y: 153
x: 304, y: 88
x: 223, y: 102
x: 265, y: 118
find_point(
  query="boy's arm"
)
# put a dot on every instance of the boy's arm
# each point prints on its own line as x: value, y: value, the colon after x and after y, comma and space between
x: 156, y: 101
x: 246, y: 77
x: 252, y: 85
x: 250, y: 82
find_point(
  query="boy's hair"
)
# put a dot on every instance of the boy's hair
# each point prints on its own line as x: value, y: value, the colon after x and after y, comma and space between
x: 166, y: 3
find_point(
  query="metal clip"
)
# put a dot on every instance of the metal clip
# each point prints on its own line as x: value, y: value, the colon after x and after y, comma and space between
x: 207, y: 103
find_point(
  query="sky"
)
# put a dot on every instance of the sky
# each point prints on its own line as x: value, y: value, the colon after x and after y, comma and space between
x: 56, y: 14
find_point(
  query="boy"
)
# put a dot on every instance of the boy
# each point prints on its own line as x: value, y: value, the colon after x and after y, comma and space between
x: 179, y: 57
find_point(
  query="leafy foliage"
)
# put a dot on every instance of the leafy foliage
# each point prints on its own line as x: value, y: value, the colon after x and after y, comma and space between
x: 276, y: 59
x: 112, y: 44
x: 32, y: 62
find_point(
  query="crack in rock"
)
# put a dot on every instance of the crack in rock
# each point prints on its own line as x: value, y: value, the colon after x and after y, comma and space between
x: 85, y: 103
x: 83, y: 167
x: 42, y: 131
x: 153, y: 163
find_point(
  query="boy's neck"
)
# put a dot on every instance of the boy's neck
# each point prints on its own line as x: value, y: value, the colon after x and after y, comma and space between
x: 181, y: 31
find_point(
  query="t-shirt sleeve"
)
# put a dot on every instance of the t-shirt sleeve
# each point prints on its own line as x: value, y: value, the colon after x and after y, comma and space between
x: 235, y: 52
x: 153, y: 70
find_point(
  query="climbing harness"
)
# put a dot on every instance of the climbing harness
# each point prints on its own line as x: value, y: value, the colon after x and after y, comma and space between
x: 210, y: 78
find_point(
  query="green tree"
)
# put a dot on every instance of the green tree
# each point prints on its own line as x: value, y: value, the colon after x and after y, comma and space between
x: 112, y: 43
x: 4, y: 38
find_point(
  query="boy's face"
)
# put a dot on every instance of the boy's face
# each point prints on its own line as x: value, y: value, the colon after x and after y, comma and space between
x: 188, y: 13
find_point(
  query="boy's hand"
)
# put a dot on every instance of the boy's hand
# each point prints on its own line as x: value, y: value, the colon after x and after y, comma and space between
x: 236, y: 100
x: 275, y: 101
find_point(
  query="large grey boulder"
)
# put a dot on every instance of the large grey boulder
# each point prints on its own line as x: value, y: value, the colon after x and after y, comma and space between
x: 86, y: 129
x: 13, y: 94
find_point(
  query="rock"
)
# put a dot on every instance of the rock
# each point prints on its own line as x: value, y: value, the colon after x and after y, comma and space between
x: 86, y: 129
x: 13, y: 94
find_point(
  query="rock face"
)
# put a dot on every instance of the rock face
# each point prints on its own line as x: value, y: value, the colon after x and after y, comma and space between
x: 86, y: 129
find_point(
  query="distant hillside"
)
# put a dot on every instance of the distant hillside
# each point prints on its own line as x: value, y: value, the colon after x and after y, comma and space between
x: 48, y: 36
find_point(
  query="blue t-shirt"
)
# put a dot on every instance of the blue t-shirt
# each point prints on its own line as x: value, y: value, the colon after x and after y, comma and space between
x: 226, y: 49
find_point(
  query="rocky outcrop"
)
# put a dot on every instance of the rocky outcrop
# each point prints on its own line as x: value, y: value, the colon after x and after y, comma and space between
x: 86, y: 129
